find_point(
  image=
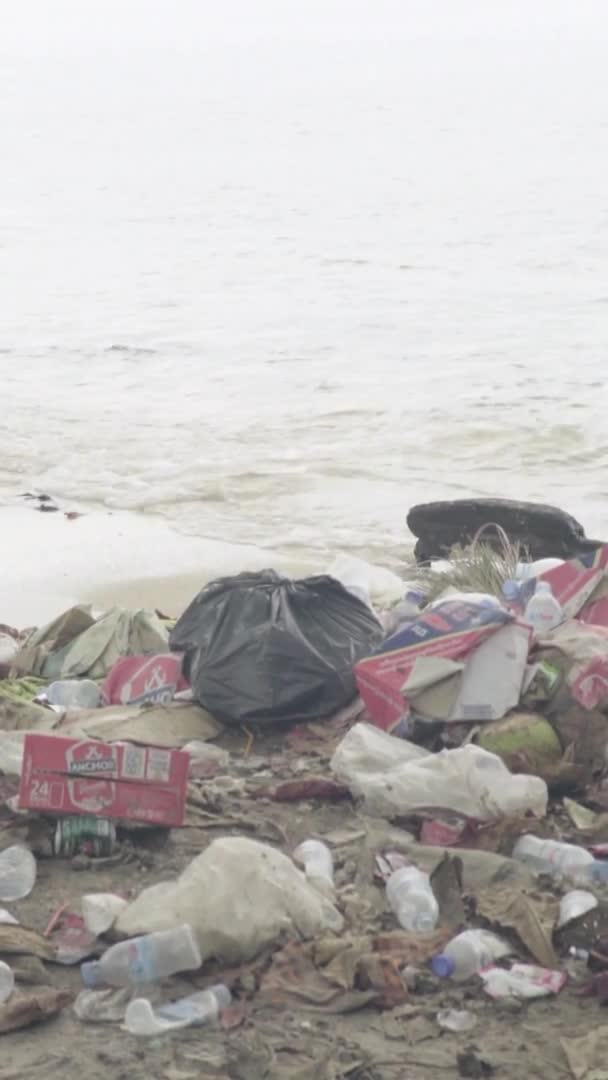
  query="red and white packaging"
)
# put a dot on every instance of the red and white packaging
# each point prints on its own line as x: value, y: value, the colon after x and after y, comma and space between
x: 139, y: 680
x: 110, y: 780
x: 451, y: 629
x: 522, y: 981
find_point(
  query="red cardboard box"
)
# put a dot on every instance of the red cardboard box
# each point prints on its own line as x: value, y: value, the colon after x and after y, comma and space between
x: 110, y: 780
x: 451, y: 629
x: 135, y: 680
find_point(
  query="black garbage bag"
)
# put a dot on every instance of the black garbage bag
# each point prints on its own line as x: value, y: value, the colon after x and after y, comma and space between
x: 262, y: 648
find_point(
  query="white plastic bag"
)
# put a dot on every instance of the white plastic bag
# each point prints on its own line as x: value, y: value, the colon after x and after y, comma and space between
x: 99, y: 911
x: 522, y: 981
x: 366, y: 750
x: 375, y: 585
x: 239, y: 896
x: 395, y: 778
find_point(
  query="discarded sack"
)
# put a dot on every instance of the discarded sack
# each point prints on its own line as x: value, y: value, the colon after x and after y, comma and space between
x: 262, y: 648
x: 397, y: 781
x: 76, y: 644
x: 239, y: 896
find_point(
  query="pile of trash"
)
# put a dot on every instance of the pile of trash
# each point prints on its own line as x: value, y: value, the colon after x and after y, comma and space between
x: 452, y: 727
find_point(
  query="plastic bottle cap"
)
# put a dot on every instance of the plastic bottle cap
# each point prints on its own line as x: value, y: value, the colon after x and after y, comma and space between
x: 543, y: 587
x: 90, y: 972
x: 442, y: 965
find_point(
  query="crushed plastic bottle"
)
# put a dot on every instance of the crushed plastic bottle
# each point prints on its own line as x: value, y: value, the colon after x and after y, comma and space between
x: 74, y: 694
x: 411, y: 898
x: 7, y: 982
x: 468, y: 953
x: 144, y: 959
x: 317, y: 860
x: 543, y: 612
x: 553, y: 856
x: 17, y: 873
x: 102, y: 1006
x: 141, y: 1018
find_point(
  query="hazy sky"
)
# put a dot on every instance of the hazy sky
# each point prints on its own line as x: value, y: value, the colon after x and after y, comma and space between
x: 67, y: 26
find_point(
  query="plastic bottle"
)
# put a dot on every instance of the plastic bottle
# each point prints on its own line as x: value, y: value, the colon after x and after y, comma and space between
x: 543, y: 611
x: 144, y: 959
x: 410, y: 897
x: 17, y: 873
x: 553, y: 856
x: 468, y: 953
x: 74, y: 694
x: 7, y: 982
x: 202, y: 1008
x: 317, y: 861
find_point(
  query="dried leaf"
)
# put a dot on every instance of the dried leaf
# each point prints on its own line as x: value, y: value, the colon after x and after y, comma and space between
x: 311, y: 787
x: 446, y: 883
x: 532, y: 918
x: 579, y: 815
x: 22, y: 1010
x: 18, y: 939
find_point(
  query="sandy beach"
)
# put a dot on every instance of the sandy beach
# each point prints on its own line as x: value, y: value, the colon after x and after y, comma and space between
x: 50, y: 562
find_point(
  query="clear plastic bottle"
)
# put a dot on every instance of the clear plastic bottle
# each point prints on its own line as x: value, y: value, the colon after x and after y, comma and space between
x: 17, y: 873
x: 7, y: 982
x: 144, y: 959
x: 317, y: 860
x: 553, y: 856
x: 74, y: 694
x: 411, y: 898
x: 469, y: 953
x: 543, y: 612
x: 141, y: 1018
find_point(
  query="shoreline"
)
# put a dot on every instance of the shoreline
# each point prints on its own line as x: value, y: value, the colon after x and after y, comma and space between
x: 49, y: 563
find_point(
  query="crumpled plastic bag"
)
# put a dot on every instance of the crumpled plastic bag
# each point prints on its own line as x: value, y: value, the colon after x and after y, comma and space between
x: 239, y: 896
x: 395, y: 780
x: 76, y: 644
x: 373, y: 584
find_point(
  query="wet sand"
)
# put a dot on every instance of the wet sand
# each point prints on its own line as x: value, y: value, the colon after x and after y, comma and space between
x: 50, y: 562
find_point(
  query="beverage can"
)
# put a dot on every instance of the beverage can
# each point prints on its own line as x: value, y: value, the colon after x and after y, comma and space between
x: 85, y: 836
